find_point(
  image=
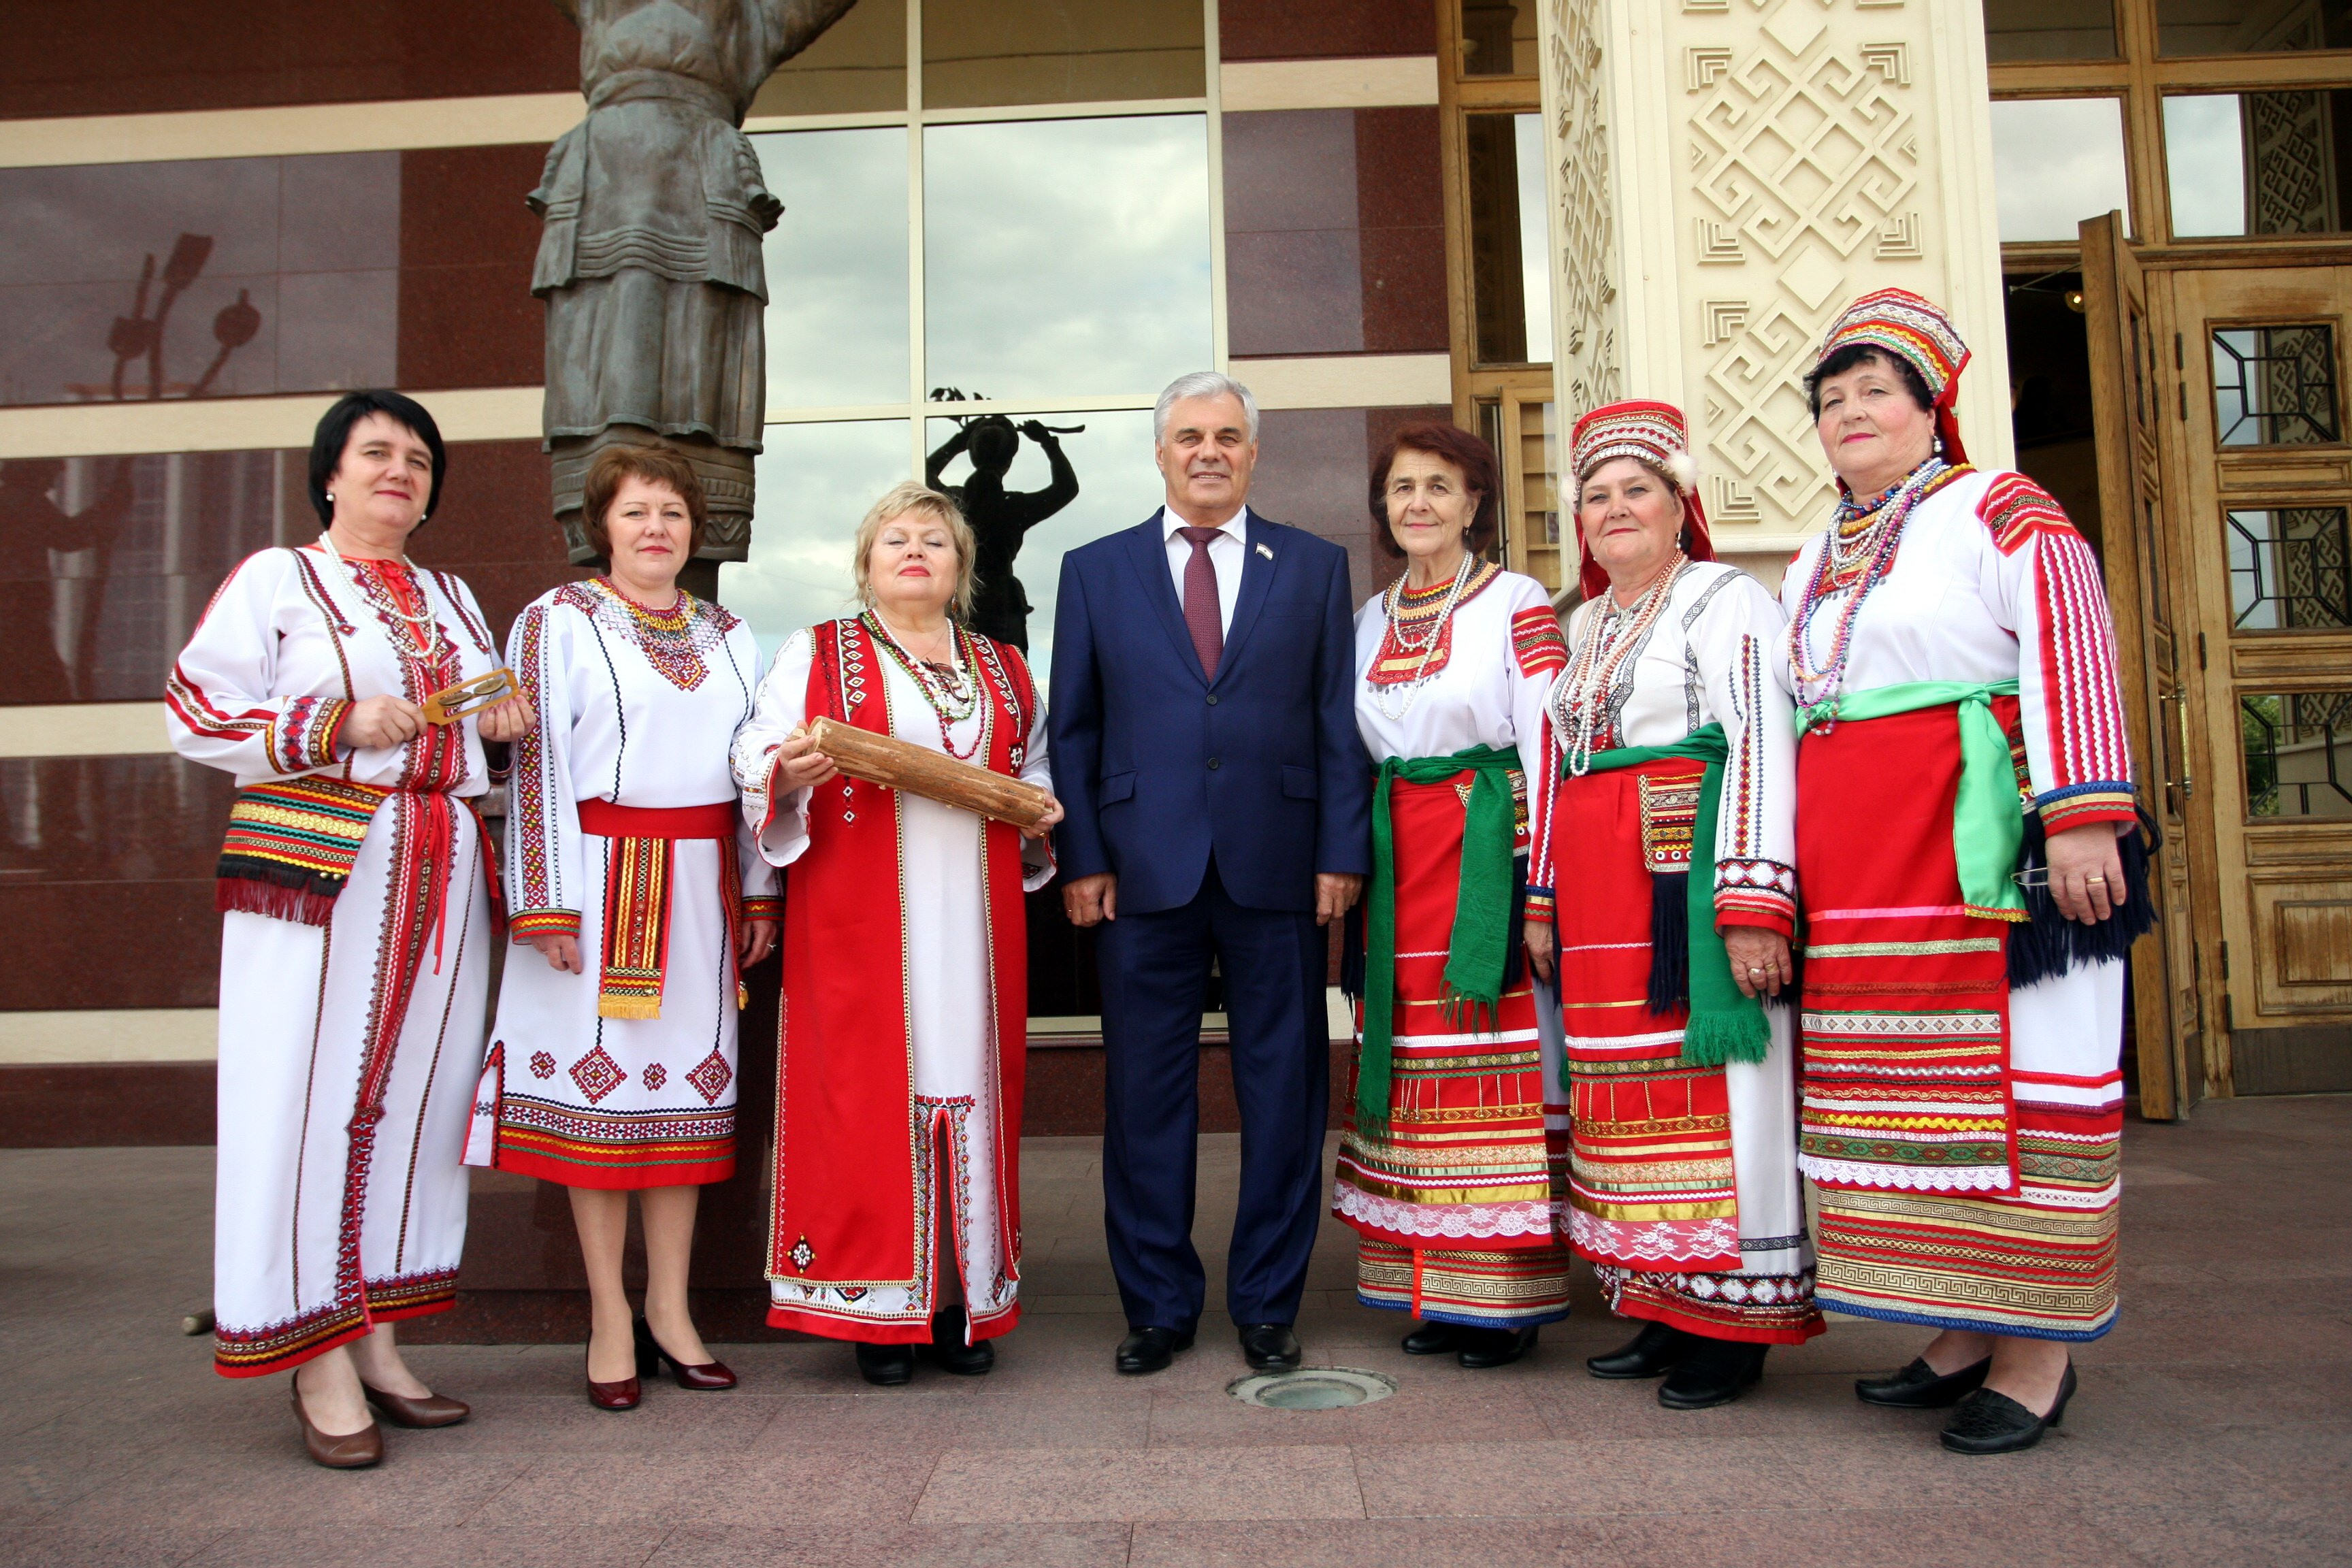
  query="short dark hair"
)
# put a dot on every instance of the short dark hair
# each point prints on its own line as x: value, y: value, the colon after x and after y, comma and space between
x: 1454, y: 445
x: 655, y: 466
x: 334, y: 433
x: 1852, y: 355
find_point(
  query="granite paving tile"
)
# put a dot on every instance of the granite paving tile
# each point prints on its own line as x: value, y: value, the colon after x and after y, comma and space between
x: 818, y: 1540
x: 817, y: 1479
x: 1360, y: 1543
x: 1553, y: 1476
x: 1007, y: 1485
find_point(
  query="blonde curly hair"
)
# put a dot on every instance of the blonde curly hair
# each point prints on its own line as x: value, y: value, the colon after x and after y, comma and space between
x: 911, y: 499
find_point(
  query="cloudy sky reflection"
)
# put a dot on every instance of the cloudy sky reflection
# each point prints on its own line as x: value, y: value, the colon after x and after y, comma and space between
x: 836, y: 268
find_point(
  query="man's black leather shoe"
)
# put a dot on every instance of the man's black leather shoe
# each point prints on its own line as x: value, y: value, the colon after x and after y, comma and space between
x: 1483, y: 1348
x: 886, y: 1366
x: 1919, y: 1387
x: 950, y: 1354
x: 1148, y: 1349
x: 1270, y: 1347
x: 1654, y: 1351
x: 1433, y: 1338
x: 1991, y: 1422
x: 1714, y: 1371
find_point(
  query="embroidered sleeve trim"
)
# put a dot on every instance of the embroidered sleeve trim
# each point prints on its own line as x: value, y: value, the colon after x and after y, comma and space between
x: 1536, y: 643
x: 2016, y: 509
x: 1756, y: 892
x: 2077, y: 804
x: 763, y: 908
x: 2082, y: 703
x: 529, y: 923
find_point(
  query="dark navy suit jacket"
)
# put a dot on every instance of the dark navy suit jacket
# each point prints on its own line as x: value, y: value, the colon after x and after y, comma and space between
x: 1158, y: 766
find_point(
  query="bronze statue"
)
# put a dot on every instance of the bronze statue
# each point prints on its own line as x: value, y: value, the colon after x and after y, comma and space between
x: 649, y: 262
x: 999, y: 518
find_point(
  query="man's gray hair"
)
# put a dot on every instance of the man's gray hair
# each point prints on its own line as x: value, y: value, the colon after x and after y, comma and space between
x: 1201, y: 384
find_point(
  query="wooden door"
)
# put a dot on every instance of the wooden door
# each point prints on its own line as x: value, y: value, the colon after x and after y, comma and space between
x: 1518, y: 421
x: 2265, y: 488
x: 2138, y: 550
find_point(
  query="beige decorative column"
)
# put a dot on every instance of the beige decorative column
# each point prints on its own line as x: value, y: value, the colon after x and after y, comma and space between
x: 1726, y: 175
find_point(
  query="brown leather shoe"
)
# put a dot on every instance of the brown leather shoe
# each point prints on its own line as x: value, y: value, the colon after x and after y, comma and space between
x: 351, y: 1451
x: 433, y: 1410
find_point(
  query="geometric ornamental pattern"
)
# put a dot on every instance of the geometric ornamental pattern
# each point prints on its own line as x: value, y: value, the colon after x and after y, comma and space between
x: 710, y: 1077
x: 1589, y: 371
x: 598, y: 1075
x: 543, y: 1064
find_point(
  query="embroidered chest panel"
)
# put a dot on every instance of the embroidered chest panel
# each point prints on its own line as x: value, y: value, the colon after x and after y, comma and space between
x: 680, y: 643
x: 1417, y: 616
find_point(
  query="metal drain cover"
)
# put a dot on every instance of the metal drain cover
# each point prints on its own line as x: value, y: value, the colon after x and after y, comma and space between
x: 1311, y: 1388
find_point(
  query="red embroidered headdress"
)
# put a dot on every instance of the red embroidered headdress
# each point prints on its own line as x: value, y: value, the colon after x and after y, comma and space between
x: 1923, y: 337
x: 1654, y: 433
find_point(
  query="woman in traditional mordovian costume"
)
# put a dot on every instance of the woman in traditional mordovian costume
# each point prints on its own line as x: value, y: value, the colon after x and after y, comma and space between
x: 355, y: 887
x: 1443, y: 1166
x: 626, y: 839
x: 1964, y: 825
x: 1673, y: 826
x: 900, y: 1049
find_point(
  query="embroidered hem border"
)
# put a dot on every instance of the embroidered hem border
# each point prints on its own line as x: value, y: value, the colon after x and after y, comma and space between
x: 1754, y: 1308
x: 1483, y: 1289
x: 274, y: 1347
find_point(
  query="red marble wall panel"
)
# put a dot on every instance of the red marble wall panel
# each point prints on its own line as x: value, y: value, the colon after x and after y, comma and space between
x: 144, y: 57
x: 1325, y: 30
x: 500, y: 533
x: 1401, y: 203
x: 467, y: 240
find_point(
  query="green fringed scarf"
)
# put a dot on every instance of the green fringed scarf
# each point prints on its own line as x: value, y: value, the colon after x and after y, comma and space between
x: 1725, y: 1025
x: 1478, y: 954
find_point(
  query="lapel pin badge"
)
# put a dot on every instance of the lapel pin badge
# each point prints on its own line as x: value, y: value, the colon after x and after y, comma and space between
x: 1261, y: 550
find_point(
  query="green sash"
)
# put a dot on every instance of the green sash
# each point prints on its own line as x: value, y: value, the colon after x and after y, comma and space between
x: 1987, y: 823
x: 1725, y: 1025
x: 1480, y: 952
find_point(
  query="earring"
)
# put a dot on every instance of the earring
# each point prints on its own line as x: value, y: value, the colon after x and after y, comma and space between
x: 331, y: 498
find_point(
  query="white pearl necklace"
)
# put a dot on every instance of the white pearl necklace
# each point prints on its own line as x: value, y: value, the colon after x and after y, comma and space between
x: 1427, y: 647
x: 423, y: 618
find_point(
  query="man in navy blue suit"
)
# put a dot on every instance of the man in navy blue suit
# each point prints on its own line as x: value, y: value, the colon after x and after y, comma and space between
x: 1218, y: 802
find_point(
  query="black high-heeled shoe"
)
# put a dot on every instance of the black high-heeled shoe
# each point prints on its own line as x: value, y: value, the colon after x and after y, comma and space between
x: 1919, y: 1386
x: 1433, y: 1337
x: 1991, y: 1422
x: 703, y: 1378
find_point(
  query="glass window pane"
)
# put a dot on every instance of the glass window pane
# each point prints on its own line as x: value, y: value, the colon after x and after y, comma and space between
x: 1498, y: 37
x: 2049, y: 29
x: 222, y: 277
x: 2257, y: 162
x: 815, y: 482
x: 1118, y: 487
x: 836, y: 268
x: 2274, y: 385
x: 2055, y: 161
x: 1509, y: 280
x: 856, y: 66
x: 2298, y: 752
x: 2288, y: 569
x: 2251, y: 26
x: 980, y: 54
x: 1067, y: 257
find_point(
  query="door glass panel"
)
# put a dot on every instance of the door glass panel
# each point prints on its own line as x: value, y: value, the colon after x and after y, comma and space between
x: 987, y: 53
x: 856, y: 66
x: 1067, y: 257
x: 2298, y: 751
x: 1510, y: 282
x: 1498, y: 37
x: 836, y: 268
x: 2288, y: 569
x: 2251, y: 26
x: 2257, y: 162
x: 2274, y: 385
x: 2055, y: 161
x: 2049, y: 29
x: 815, y: 483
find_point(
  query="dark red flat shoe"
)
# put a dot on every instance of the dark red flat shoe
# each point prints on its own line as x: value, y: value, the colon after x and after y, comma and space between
x: 703, y: 1378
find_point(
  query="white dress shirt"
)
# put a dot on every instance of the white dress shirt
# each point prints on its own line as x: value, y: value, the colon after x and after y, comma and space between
x: 1227, y: 552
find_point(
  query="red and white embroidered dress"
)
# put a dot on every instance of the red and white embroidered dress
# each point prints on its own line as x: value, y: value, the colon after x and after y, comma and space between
x: 904, y: 1029
x: 638, y: 711
x: 1917, y: 1050
x: 1451, y: 1202
x: 349, y: 1047
x: 1681, y: 1186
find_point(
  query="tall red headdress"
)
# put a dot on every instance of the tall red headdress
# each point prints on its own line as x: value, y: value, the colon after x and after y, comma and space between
x: 1654, y: 433
x: 1922, y: 335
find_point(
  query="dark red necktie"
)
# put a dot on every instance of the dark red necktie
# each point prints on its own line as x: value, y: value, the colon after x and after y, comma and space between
x: 1201, y: 615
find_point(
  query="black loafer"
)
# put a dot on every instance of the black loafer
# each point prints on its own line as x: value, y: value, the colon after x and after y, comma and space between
x: 1991, y: 1422
x: 950, y: 1354
x: 1650, y: 1354
x: 1270, y: 1347
x: 1433, y: 1338
x: 1920, y: 1387
x: 1483, y: 1348
x: 1148, y: 1349
x: 1716, y: 1372
x: 886, y: 1366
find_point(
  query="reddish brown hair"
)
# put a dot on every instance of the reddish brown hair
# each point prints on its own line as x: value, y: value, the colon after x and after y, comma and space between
x: 655, y: 466
x: 1454, y: 445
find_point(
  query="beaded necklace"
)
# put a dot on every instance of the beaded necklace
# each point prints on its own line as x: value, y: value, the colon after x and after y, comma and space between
x: 1854, y: 559
x: 952, y: 692
x: 666, y: 637
x: 1426, y: 643
x: 374, y: 583
x: 1580, y: 698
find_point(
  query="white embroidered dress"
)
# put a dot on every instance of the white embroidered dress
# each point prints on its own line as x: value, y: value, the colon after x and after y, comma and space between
x: 349, y: 1051
x: 640, y: 710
